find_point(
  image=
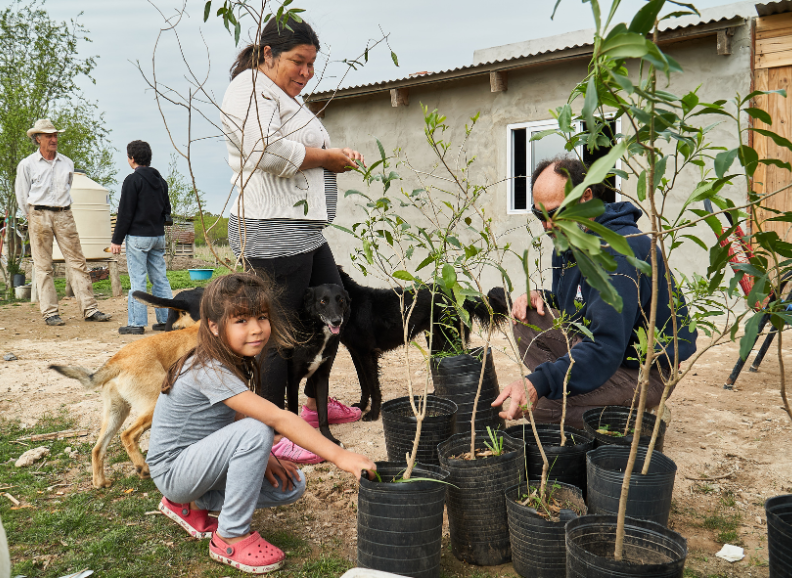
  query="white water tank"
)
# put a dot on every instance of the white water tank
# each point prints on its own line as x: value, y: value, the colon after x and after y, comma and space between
x: 91, y: 210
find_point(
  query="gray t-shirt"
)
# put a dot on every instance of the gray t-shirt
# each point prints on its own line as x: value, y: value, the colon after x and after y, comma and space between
x: 191, y: 411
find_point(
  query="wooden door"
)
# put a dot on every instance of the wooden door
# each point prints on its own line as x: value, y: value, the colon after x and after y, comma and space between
x: 773, y: 71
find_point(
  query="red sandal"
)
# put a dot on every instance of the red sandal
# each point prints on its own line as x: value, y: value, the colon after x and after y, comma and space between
x: 253, y: 555
x: 197, y: 522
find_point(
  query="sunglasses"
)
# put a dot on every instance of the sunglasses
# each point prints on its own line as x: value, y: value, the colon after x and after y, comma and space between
x: 540, y: 215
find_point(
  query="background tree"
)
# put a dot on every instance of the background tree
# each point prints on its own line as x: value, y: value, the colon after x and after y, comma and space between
x: 39, y: 72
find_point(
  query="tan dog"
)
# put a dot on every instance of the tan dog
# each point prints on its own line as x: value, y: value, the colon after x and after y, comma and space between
x: 131, y: 380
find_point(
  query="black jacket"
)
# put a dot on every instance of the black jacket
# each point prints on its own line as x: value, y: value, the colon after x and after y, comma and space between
x: 614, y: 333
x: 143, y: 205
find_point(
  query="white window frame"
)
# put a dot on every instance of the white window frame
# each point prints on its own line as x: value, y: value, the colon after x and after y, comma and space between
x: 537, y: 126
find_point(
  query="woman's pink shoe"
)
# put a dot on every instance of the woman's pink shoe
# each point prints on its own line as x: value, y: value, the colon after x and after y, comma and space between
x: 288, y: 450
x: 198, y: 523
x: 253, y: 555
x: 337, y: 412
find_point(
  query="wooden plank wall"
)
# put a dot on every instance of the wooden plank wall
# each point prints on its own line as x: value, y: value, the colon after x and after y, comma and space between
x: 773, y: 71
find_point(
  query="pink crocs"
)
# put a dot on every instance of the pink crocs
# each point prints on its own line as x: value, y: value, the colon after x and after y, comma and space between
x: 337, y: 412
x: 288, y: 450
x: 197, y: 522
x: 253, y: 555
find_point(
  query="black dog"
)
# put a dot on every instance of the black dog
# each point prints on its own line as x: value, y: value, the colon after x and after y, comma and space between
x: 375, y: 326
x: 187, y: 303
x: 322, y: 318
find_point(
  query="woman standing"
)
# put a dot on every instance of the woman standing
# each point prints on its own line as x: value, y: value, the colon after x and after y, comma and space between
x: 285, y: 174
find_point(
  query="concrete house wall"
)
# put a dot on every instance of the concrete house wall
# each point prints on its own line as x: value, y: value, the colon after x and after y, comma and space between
x: 532, y: 92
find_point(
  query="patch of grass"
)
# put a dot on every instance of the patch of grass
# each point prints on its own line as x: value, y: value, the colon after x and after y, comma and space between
x: 725, y: 525
x: 107, y: 530
x: 177, y: 279
x: 703, y: 488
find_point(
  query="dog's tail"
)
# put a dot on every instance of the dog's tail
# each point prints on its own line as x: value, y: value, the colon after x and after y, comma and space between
x: 149, y: 299
x: 88, y: 379
x: 498, y: 300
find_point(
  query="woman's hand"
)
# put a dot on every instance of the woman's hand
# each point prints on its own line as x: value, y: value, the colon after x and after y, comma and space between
x: 355, y: 463
x: 354, y: 155
x: 285, y: 471
x: 340, y: 160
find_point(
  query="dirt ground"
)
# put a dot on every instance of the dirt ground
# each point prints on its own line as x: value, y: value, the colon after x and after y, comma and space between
x: 743, y: 433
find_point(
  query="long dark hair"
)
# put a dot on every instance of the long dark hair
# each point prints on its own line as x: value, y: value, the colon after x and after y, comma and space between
x: 233, y: 295
x: 280, y: 39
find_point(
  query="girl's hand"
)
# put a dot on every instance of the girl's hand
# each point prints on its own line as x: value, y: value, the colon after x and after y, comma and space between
x: 284, y: 471
x: 337, y: 160
x: 355, y: 463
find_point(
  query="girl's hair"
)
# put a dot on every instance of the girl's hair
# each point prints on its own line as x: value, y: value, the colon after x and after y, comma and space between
x: 234, y: 295
x: 280, y: 39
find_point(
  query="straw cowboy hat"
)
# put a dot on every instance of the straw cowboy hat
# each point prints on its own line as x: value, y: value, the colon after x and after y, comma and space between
x: 43, y: 125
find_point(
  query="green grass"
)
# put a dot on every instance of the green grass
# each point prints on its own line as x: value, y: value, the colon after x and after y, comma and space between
x: 177, y: 279
x: 106, y: 530
x: 724, y: 521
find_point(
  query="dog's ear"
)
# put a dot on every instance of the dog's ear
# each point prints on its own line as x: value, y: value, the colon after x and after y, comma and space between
x: 347, y: 299
x: 308, y: 299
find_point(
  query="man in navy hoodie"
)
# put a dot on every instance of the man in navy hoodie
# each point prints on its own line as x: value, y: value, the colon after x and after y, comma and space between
x: 605, y: 370
x: 141, y: 219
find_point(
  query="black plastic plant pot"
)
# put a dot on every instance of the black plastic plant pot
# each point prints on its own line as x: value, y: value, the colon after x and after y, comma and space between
x: 567, y: 463
x: 476, y: 503
x: 18, y: 280
x: 538, y: 545
x: 614, y: 419
x: 779, y: 535
x: 400, y: 424
x: 456, y: 378
x: 650, y: 550
x: 650, y: 494
x: 400, y: 524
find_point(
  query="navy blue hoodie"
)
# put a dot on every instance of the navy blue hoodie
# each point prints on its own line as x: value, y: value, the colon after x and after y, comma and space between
x: 614, y: 333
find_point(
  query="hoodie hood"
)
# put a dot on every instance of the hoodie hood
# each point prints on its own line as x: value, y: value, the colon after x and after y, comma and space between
x: 151, y: 175
x: 618, y: 216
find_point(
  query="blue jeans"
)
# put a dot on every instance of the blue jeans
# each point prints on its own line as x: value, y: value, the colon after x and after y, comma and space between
x: 146, y: 255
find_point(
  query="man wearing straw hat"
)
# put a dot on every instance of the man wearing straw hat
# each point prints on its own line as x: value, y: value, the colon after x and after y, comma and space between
x: 42, y: 185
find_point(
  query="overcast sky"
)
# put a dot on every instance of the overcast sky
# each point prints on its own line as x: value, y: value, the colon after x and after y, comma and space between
x: 429, y: 35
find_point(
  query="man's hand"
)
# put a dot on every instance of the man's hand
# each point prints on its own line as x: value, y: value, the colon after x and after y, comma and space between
x: 284, y: 471
x: 520, y: 306
x: 516, y: 391
x: 115, y: 249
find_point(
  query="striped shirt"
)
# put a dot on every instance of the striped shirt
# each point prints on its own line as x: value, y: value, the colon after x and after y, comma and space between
x: 273, y: 238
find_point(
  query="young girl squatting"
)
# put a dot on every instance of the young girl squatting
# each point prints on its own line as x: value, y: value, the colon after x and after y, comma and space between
x: 211, y: 436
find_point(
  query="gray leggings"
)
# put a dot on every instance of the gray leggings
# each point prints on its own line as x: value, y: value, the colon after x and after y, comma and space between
x: 225, y: 471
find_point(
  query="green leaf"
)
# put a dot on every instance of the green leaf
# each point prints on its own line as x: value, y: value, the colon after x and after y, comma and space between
x: 624, y: 82
x: 304, y: 205
x: 751, y: 333
x: 565, y: 119
x: 642, y: 265
x: 207, y: 8
x: 403, y: 275
x: 759, y: 114
x: 777, y: 138
x: 449, y: 275
x: 660, y: 169
x: 597, y: 278
x: 590, y: 103
x: 777, y: 162
x: 723, y: 161
x: 383, y: 156
x: 394, y: 58
x: 641, y: 188
x: 577, y: 238
x: 425, y: 262
x: 581, y: 211
x: 748, y: 159
x: 644, y: 19
x: 616, y: 241
x: 542, y: 133
x: 756, y: 93
x: 552, y: 16
x: 597, y: 172
x: 367, y: 251
x: 237, y: 32
x: 626, y: 45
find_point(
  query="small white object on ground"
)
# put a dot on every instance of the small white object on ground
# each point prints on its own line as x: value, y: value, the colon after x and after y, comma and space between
x: 731, y: 553
x: 367, y: 573
x: 31, y: 456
